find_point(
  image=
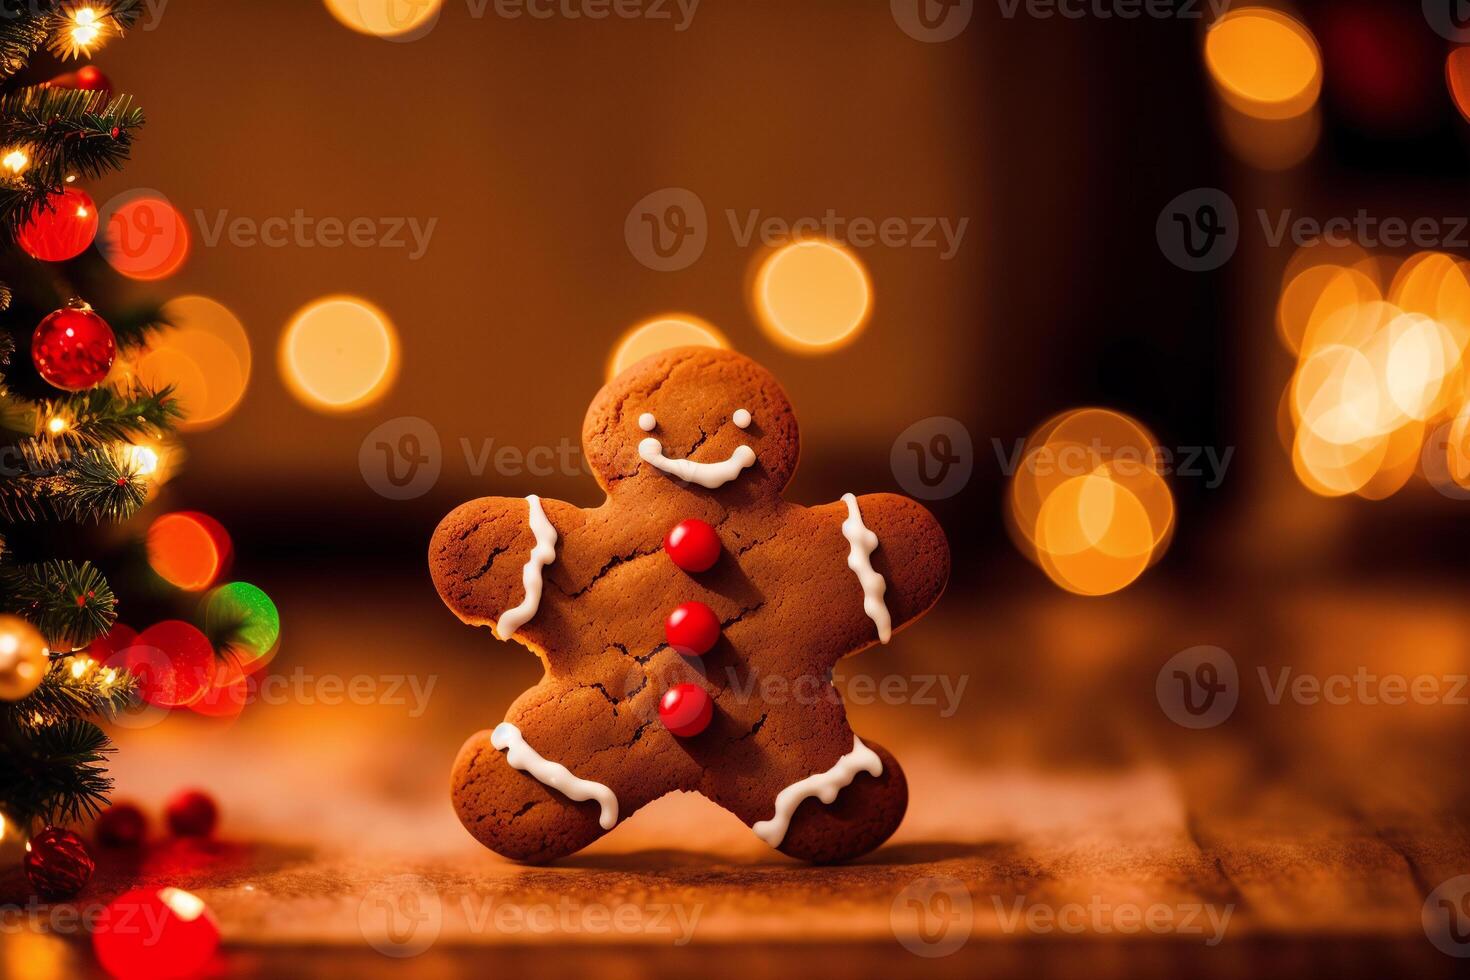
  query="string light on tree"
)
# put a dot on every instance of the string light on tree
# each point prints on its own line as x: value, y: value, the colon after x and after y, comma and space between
x: 88, y: 28
x: 16, y: 161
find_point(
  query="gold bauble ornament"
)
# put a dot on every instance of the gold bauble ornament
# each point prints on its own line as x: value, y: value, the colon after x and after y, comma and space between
x: 24, y: 658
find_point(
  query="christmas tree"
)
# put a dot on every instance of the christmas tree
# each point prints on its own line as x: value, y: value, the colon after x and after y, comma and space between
x: 74, y: 430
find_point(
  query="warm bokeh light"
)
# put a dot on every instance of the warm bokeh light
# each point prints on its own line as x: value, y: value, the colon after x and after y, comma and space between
x: 205, y: 355
x: 1088, y: 502
x: 812, y: 296
x: 1457, y: 73
x: 386, y: 18
x: 146, y: 239
x: 659, y: 334
x: 1376, y: 377
x: 339, y: 354
x: 1265, y: 63
x: 1271, y: 144
x: 189, y: 550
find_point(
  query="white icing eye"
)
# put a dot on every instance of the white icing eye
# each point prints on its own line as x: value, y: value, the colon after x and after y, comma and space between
x: 646, y: 422
x: 741, y: 418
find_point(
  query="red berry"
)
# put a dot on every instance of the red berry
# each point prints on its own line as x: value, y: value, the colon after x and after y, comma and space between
x: 192, y: 814
x: 685, y: 710
x: 693, y: 545
x: 121, y: 825
x: 692, y: 629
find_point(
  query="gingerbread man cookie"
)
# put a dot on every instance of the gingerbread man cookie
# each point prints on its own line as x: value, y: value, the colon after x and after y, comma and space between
x: 688, y: 626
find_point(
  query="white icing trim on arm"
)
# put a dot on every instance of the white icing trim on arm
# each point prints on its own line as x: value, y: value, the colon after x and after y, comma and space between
x: 507, y: 738
x: 864, y: 542
x: 708, y: 475
x: 542, y: 555
x: 824, y: 786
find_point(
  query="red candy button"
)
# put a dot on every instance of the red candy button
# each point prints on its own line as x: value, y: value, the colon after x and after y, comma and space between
x: 692, y: 629
x: 693, y: 545
x: 685, y: 710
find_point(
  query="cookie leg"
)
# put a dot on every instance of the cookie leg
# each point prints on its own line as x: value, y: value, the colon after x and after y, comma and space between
x: 516, y: 814
x: 865, y: 813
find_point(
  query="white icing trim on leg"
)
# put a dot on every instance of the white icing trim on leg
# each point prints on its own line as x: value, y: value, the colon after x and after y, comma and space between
x: 542, y: 555
x: 864, y: 542
x: 507, y: 738
x: 824, y: 786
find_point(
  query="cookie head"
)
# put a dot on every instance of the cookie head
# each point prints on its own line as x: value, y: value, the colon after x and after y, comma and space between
x: 702, y: 418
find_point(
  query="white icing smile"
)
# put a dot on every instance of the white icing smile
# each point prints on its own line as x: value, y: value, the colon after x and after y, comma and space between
x: 707, y: 475
x: 824, y: 786
x: 507, y: 738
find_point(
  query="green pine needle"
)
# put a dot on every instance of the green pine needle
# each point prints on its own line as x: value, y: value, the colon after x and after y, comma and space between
x: 53, y: 774
x: 69, y: 602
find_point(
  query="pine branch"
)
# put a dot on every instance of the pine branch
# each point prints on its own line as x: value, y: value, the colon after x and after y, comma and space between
x: 66, y: 133
x: 70, y: 603
x: 76, y: 687
x: 53, y: 773
x: 96, y: 485
x: 105, y: 415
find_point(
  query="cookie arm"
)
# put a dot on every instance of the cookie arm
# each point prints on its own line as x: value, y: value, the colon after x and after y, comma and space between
x: 912, y: 554
x: 488, y: 559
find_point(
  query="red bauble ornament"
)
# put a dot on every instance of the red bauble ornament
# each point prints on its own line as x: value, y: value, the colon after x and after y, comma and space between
x: 59, y: 228
x: 192, y: 814
x: 693, y: 545
x: 88, y: 78
x: 155, y: 933
x: 685, y: 710
x: 73, y: 348
x: 121, y: 825
x: 692, y: 629
x: 57, y: 864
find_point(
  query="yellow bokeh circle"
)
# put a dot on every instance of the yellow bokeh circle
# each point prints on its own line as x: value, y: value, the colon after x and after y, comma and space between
x: 813, y: 296
x: 660, y: 334
x: 339, y: 353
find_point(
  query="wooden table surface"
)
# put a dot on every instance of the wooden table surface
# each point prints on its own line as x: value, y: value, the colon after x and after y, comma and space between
x: 1059, y: 822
